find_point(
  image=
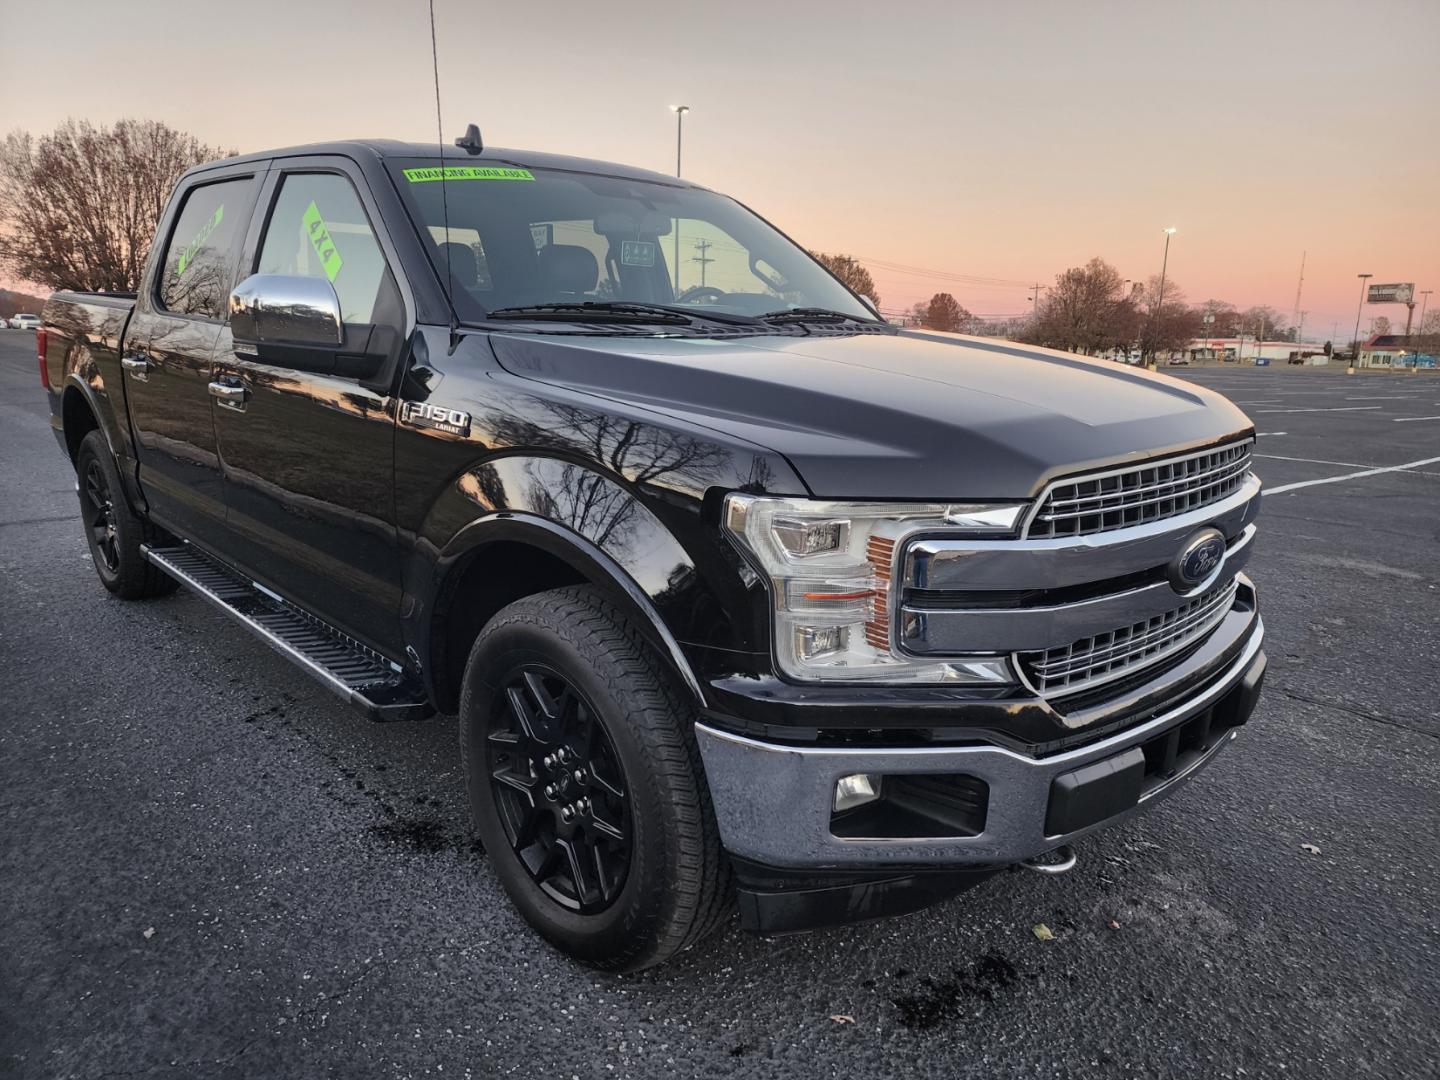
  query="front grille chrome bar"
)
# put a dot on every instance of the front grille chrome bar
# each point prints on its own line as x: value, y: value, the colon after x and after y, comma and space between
x: 1137, y: 494
x: 1117, y: 653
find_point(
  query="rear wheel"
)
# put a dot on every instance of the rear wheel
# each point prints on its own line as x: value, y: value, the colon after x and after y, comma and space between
x: 112, y: 530
x: 586, y: 785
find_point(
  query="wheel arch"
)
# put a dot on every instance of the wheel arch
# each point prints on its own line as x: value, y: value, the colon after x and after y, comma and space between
x: 538, y: 555
x: 79, y: 417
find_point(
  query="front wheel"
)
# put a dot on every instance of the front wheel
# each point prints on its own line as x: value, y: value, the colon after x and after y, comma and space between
x: 586, y: 785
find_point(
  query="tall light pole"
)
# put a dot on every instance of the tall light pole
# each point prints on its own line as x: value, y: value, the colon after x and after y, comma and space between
x: 1355, y: 356
x: 1424, y: 303
x: 679, y: 111
x: 1160, y: 299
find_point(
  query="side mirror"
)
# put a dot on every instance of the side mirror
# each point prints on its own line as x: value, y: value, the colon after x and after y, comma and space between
x: 279, y: 310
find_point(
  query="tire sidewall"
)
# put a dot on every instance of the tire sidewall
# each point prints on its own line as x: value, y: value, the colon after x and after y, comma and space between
x: 500, y: 650
x: 94, y: 449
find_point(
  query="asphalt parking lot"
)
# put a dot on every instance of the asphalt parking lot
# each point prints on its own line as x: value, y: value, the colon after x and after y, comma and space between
x: 212, y: 869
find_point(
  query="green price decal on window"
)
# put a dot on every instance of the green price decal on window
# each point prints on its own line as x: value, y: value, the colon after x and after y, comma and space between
x: 321, y: 242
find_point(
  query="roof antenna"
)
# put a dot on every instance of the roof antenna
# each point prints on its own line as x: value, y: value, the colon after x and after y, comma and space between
x: 444, y: 198
x: 470, y: 141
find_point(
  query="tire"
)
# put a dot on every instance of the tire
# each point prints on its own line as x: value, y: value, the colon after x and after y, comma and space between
x: 112, y: 529
x: 571, y: 654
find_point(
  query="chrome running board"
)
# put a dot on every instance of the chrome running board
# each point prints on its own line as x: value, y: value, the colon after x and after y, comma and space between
x: 376, y: 686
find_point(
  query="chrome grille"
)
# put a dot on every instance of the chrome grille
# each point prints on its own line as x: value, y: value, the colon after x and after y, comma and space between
x: 1117, y: 653
x: 1158, y: 489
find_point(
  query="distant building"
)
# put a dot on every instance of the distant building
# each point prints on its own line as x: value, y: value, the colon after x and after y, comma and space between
x: 1392, y: 350
x: 1245, y: 350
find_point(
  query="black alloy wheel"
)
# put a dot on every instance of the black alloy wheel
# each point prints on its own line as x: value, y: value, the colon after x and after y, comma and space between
x: 561, y: 792
x: 99, y: 512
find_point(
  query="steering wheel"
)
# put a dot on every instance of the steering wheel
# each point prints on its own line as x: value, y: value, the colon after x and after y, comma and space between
x: 701, y: 292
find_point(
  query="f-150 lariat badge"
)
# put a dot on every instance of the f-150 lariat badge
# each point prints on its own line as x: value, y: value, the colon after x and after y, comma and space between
x: 422, y: 414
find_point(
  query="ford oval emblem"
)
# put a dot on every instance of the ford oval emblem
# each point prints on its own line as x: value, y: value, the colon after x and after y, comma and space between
x: 1197, y: 560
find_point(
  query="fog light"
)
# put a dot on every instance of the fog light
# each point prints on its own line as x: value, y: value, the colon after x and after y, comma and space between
x: 814, y: 641
x: 854, y: 790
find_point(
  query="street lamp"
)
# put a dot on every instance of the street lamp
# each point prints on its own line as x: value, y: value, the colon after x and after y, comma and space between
x: 679, y: 111
x: 1355, y: 356
x: 1160, y: 299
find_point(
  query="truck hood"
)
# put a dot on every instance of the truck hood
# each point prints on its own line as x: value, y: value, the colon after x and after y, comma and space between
x: 905, y: 416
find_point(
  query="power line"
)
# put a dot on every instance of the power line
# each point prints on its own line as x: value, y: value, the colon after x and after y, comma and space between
x: 921, y: 271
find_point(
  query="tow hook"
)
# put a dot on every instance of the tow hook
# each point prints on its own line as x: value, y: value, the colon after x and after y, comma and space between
x: 1060, y: 861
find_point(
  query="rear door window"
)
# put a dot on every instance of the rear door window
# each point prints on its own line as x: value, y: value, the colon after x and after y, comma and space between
x: 198, y: 265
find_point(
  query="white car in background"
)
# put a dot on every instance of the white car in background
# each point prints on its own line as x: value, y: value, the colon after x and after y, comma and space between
x: 25, y: 322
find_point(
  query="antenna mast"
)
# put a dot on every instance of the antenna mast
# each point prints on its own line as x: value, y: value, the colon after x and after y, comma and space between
x: 444, y: 194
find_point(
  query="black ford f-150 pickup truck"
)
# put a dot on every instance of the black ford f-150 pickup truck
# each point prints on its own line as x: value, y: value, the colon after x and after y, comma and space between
x: 737, y: 590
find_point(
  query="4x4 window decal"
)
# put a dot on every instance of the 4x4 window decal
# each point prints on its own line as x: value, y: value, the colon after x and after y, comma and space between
x: 320, y: 240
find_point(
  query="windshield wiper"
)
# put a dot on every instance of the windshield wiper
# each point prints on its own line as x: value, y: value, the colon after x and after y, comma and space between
x: 813, y: 314
x: 628, y: 311
x: 590, y: 310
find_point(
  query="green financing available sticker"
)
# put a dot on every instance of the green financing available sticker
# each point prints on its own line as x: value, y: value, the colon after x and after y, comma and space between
x: 468, y: 172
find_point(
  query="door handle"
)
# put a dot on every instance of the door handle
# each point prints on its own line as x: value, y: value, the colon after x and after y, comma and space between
x: 137, y: 366
x: 230, y: 395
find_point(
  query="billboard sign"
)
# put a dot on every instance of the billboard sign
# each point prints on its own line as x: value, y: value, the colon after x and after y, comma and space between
x: 1391, y: 294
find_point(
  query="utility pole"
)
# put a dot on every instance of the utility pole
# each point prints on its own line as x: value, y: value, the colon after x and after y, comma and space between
x: 1295, y: 315
x: 1035, y: 291
x: 1355, y: 352
x: 702, y: 246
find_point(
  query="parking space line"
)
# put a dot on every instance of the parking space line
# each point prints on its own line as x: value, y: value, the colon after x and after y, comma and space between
x: 1412, y: 419
x: 1272, y: 434
x: 1342, y: 408
x: 1351, y: 476
x: 1316, y: 461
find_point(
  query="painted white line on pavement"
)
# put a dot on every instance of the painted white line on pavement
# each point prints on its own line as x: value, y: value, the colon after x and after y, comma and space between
x: 1346, y: 408
x: 1262, y: 434
x: 1317, y: 461
x: 1412, y: 419
x: 1351, y: 476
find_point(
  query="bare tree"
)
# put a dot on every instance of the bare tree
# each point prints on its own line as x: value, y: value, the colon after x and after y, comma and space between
x: 848, y: 269
x: 78, y: 207
x: 1264, y: 320
x: 1169, y: 323
x: 1087, y: 310
x: 943, y: 312
x: 1224, y: 319
x: 1380, y: 326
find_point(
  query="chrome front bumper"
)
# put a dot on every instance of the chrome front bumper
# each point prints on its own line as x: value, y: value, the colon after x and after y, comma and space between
x: 773, y: 802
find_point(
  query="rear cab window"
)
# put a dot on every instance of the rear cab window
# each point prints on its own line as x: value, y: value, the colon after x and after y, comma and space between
x: 196, y: 270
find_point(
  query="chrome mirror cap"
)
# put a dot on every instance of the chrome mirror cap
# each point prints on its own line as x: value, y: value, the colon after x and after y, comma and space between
x: 283, y: 310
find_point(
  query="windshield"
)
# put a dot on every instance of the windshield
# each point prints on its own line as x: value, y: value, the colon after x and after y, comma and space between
x: 524, y: 237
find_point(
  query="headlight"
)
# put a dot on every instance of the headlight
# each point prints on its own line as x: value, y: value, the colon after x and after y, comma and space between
x: 830, y: 565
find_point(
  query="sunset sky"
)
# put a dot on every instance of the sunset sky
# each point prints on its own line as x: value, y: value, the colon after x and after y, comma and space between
x: 1002, y: 142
